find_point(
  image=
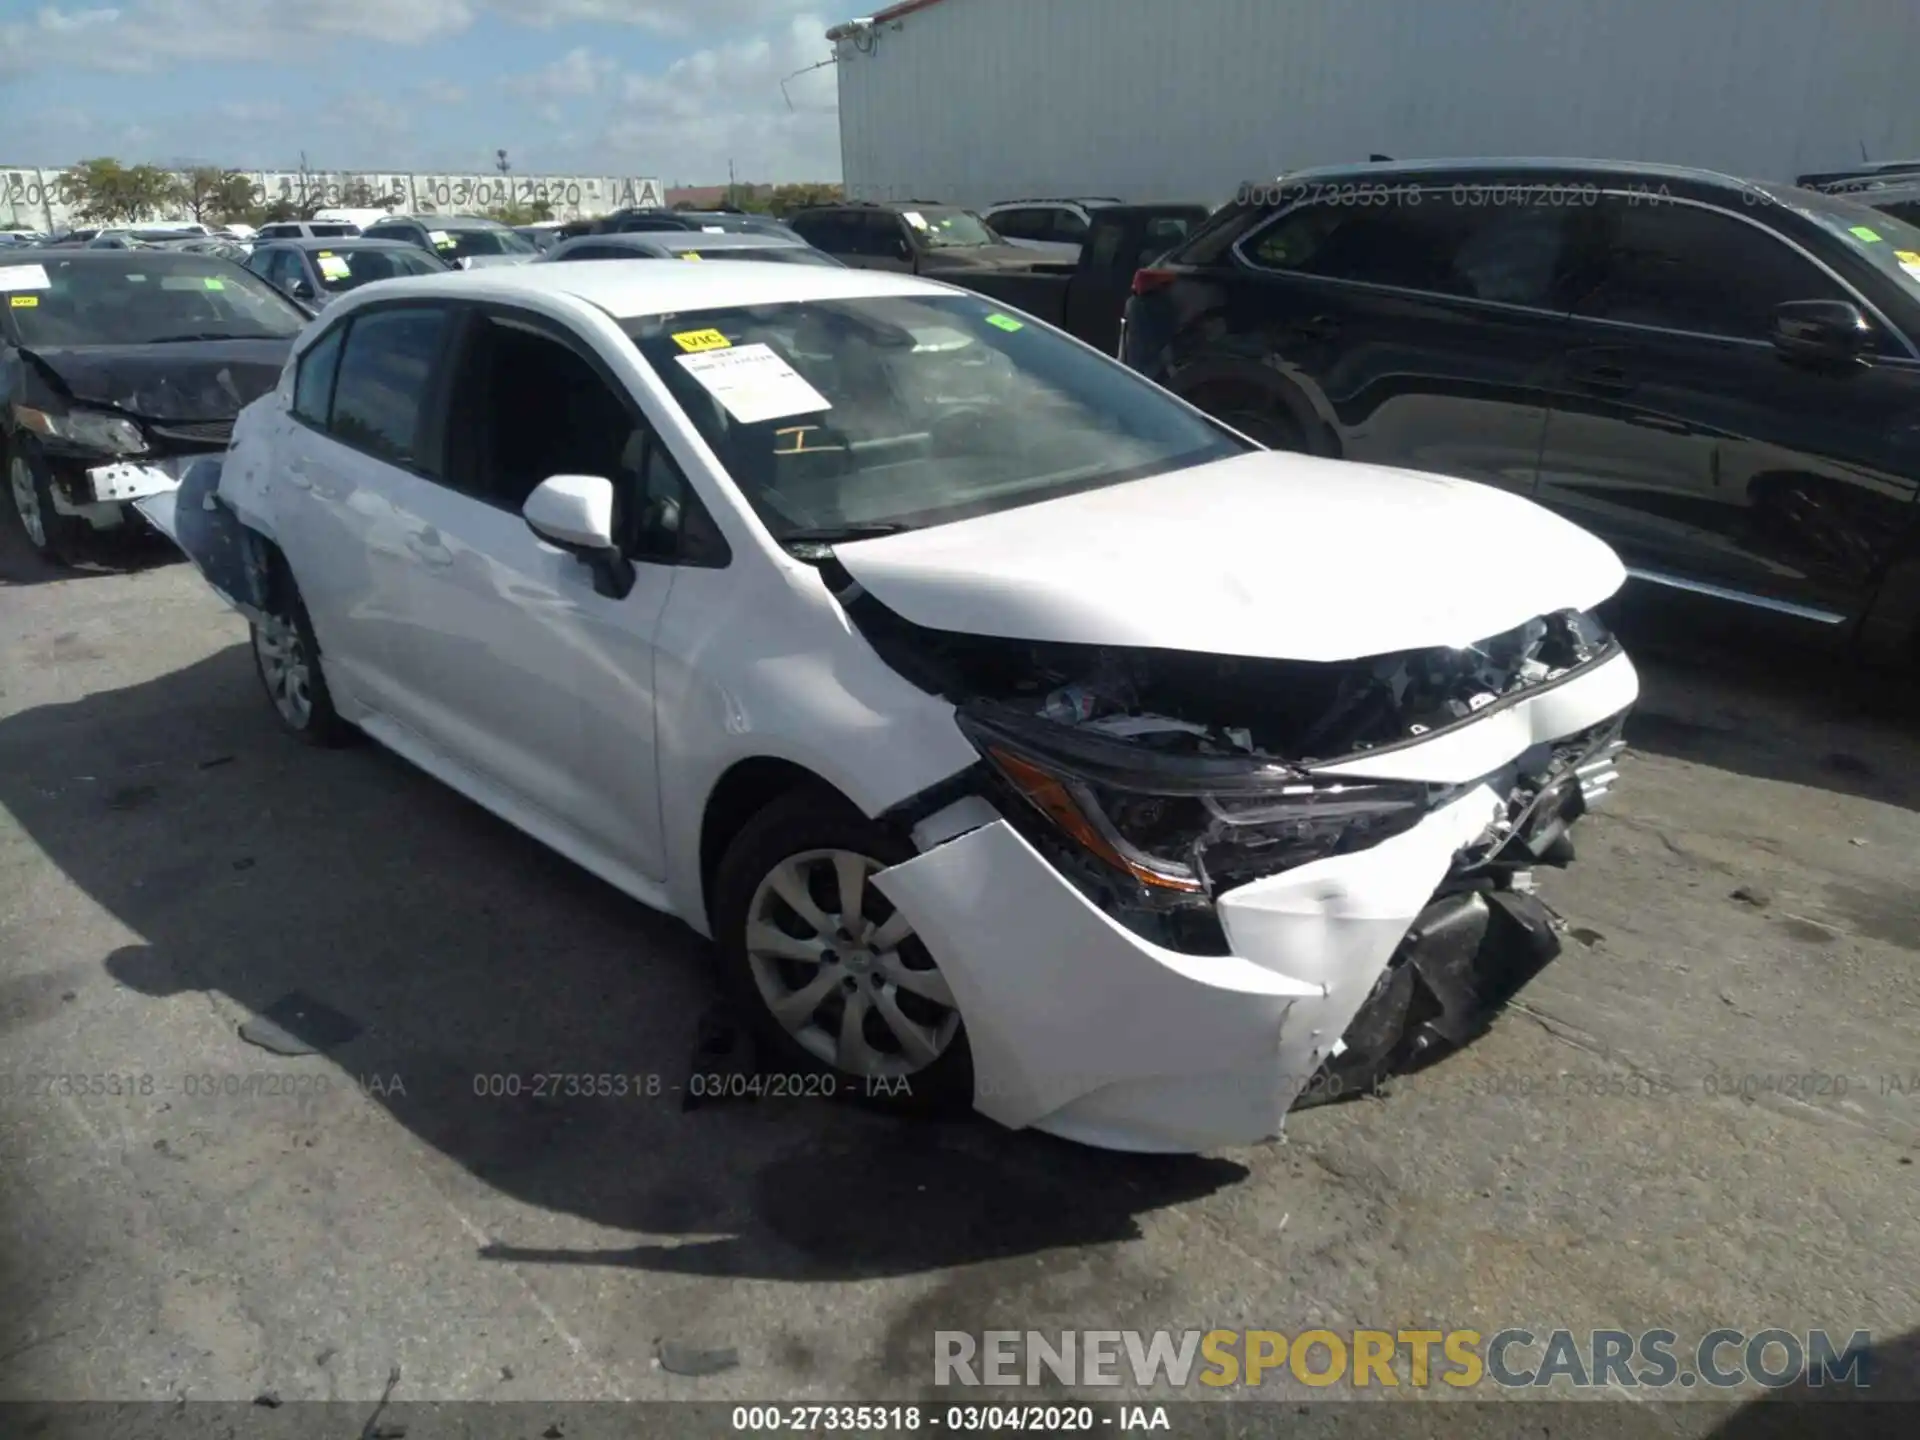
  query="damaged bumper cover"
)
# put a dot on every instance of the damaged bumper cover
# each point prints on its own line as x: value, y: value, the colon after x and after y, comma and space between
x: 1093, y: 1016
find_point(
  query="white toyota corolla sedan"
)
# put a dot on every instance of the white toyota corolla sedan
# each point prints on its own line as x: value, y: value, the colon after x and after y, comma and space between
x: 1019, y: 735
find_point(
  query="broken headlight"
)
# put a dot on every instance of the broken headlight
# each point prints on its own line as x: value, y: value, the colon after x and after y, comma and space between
x: 96, y: 430
x: 1191, y: 824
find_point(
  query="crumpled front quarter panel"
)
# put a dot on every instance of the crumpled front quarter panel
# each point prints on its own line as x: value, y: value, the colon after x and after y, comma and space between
x: 1335, y: 923
x: 1059, y: 999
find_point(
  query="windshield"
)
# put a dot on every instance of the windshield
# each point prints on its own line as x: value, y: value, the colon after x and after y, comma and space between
x: 463, y: 244
x: 342, y: 270
x: 951, y: 229
x: 154, y: 297
x: 903, y: 411
x: 1887, y: 242
x: 778, y: 254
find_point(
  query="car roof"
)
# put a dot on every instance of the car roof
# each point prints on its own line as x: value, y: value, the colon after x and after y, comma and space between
x: 340, y: 242
x: 446, y: 222
x: 1508, y: 165
x: 696, y: 240
x: 626, y: 291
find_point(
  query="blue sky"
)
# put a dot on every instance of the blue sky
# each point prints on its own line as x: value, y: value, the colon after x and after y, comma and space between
x: 671, y: 89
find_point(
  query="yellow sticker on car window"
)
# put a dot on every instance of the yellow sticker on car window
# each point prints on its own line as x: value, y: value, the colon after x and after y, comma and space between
x: 1005, y: 322
x: 25, y: 302
x: 694, y: 341
x: 689, y: 254
x: 1907, y: 257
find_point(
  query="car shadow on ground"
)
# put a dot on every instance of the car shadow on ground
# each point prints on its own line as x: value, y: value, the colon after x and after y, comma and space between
x: 1744, y: 694
x: 1837, y: 1408
x: 121, y: 552
x: 416, y: 939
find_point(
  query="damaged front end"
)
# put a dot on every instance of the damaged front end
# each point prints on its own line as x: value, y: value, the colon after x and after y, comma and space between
x: 118, y: 426
x: 1369, y: 828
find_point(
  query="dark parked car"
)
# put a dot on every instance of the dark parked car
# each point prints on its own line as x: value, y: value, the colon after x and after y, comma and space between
x: 706, y: 222
x: 318, y: 272
x: 1085, y: 297
x: 686, y: 245
x: 466, y: 241
x: 1718, y: 377
x: 909, y: 237
x: 117, y: 369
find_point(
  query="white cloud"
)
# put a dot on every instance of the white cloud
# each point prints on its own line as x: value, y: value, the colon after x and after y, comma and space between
x: 583, y: 111
x: 574, y: 76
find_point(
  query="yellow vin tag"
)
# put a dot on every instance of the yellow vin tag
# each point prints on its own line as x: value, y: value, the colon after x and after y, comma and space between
x: 25, y: 302
x: 694, y: 341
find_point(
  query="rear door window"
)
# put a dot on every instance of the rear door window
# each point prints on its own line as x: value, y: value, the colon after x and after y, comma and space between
x: 380, y: 395
x: 1434, y: 243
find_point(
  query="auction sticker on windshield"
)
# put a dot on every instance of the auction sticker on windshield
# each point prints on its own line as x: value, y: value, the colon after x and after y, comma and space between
x: 754, y: 383
x: 24, y: 277
x: 1866, y: 233
x: 694, y: 341
x: 914, y: 218
x: 25, y: 302
x: 1004, y: 322
x: 333, y: 267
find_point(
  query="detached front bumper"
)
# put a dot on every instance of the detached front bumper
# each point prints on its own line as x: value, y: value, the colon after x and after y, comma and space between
x: 97, y: 493
x: 1084, y: 1029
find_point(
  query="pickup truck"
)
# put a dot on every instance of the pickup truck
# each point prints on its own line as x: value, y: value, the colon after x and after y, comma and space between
x: 1086, y: 297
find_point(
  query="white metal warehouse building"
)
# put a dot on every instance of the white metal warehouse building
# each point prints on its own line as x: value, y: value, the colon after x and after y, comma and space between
x: 972, y: 101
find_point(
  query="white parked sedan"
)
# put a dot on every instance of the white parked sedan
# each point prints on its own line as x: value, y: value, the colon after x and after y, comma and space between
x: 1019, y: 735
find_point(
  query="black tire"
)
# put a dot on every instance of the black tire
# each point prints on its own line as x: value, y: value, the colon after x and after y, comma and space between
x: 814, y: 819
x: 287, y: 645
x: 52, y: 535
x: 1376, y: 1044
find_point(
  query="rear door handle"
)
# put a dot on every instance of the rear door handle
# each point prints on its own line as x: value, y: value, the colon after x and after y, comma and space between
x: 1320, y: 327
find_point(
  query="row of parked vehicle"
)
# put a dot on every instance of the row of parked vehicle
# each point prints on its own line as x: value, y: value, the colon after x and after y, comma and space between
x: 1715, y: 375
x: 938, y: 666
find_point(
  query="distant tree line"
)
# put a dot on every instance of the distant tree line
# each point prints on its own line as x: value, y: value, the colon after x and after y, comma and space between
x: 105, y: 192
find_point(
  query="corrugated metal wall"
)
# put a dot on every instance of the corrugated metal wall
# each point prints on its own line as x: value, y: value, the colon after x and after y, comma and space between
x: 977, y: 100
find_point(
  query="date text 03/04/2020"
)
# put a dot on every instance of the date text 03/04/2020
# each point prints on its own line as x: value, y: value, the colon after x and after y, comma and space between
x: 990, y: 1419
x: 701, y: 1085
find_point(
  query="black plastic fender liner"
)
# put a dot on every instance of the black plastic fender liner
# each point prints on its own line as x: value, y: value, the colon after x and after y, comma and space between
x: 232, y: 558
x: 1472, y: 952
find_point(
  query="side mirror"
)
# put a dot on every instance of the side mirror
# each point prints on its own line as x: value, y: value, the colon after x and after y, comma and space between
x: 575, y: 513
x: 902, y: 248
x: 301, y: 289
x: 1826, y: 331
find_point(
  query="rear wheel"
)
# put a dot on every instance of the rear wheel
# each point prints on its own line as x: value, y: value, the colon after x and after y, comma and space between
x: 832, y: 976
x: 287, y: 660
x: 52, y: 534
x: 1254, y: 413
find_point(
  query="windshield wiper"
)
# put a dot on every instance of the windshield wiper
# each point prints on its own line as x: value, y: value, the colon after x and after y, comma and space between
x: 834, y: 534
x: 184, y: 339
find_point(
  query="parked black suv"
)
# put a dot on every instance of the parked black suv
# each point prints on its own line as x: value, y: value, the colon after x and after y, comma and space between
x: 1718, y: 377
x: 911, y: 236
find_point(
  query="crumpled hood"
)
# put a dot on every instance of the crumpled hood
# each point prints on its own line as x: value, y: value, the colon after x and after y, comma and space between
x: 1268, y: 555
x: 191, y: 380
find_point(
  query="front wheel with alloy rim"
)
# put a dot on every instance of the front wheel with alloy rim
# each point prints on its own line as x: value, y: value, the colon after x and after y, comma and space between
x: 832, y: 975
x: 288, y: 663
x: 54, y: 535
